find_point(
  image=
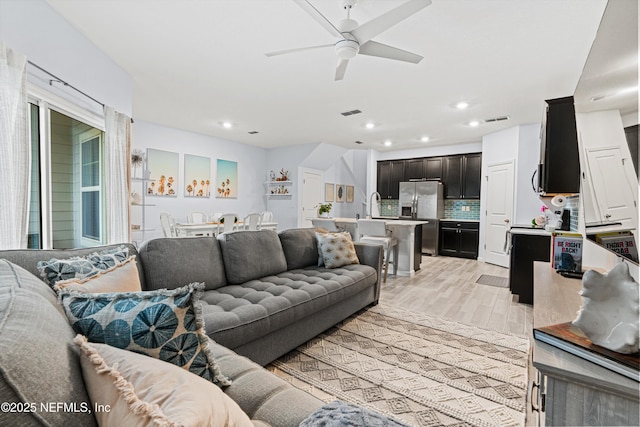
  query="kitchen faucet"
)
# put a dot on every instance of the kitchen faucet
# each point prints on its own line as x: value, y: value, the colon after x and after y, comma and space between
x: 378, y: 198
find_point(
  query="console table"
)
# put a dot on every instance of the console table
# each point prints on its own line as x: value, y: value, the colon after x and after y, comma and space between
x: 571, y: 390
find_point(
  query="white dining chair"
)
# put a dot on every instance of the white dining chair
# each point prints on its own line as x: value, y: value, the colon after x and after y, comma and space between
x: 197, y: 218
x: 328, y: 224
x: 228, y: 223
x: 215, y: 217
x: 375, y: 231
x: 168, y: 225
x: 267, y: 216
x: 252, y: 221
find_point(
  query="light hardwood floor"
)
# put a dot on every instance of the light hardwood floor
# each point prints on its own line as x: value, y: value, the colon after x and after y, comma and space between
x: 446, y: 287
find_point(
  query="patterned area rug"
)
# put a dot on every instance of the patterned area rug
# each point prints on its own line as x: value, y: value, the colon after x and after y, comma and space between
x: 499, y: 281
x: 416, y: 368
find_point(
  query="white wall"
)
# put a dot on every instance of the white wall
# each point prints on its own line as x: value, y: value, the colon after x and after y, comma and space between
x: 34, y: 29
x: 252, y: 167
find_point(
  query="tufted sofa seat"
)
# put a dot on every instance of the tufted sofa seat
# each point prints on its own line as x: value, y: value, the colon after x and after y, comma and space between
x: 264, y: 293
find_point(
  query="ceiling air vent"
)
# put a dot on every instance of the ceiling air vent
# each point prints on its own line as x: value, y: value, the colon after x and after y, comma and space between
x: 351, y: 113
x: 359, y: 142
x: 253, y: 132
x: 496, y: 119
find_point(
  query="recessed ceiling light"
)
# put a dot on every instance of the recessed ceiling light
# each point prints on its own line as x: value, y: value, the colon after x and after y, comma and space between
x: 474, y: 123
x: 370, y: 125
x: 388, y: 143
x: 424, y: 139
x: 227, y: 125
x: 462, y: 105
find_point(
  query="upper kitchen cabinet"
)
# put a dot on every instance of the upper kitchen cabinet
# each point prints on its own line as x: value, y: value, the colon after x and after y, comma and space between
x: 390, y: 175
x: 414, y: 169
x: 559, y: 168
x: 433, y: 168
x: 462, y: 176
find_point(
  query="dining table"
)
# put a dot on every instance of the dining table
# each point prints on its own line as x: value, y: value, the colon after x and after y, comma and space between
x: 213, y: 228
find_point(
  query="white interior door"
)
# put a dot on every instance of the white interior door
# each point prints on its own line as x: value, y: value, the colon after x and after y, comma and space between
x: 499, y: 212
x: 614, y: 194
x: 311, y: 196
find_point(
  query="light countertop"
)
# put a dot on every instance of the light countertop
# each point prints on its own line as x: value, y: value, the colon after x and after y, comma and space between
x: 459, y: 220
x: 391, y: 222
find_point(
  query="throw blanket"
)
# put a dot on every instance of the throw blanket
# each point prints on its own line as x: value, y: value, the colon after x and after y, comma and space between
x: 343, y: 414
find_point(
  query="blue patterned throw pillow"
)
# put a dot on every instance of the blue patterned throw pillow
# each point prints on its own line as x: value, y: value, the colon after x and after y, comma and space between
x: 164, y: 324
x: 54, y: 270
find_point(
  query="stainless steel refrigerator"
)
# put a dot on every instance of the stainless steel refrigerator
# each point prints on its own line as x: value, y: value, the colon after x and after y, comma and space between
x: 423, y: 200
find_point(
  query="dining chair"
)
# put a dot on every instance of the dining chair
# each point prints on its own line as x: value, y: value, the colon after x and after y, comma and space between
x: 329, y: 224
x: 375, y: 231
x: 197, y: 218
x: 215, y: 217
x: 228, y: 223
x: 168, y: 225
x: 267, y: 216
x: 252, y: 221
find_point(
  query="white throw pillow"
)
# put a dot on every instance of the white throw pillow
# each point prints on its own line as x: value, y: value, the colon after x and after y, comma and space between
x: 337, y: 249
x: 121, y: 277
x: 130, y: 389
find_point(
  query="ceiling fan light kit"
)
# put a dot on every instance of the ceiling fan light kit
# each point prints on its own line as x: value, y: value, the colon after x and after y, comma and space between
x: 354, y: 39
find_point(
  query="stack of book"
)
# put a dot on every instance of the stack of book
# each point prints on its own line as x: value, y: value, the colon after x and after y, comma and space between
x: 566, y: 251
x: 621, y: 242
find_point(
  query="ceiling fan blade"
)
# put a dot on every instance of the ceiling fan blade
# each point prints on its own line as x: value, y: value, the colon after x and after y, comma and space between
x: 341, y: 69
x: 319, y: 17
x: 300, y: 49
x: 372, y: 48
x: 369, y: 30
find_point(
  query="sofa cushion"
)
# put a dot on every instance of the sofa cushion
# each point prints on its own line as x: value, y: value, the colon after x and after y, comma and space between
x: 127, y: 383
x: 173, y: 262
x: 249, y: 255
x: 300, y: 247
x: 121, y: 277
x: 238, y: 314
x: 38, y: 361
x: 164, y: 324
x: 56, y: 269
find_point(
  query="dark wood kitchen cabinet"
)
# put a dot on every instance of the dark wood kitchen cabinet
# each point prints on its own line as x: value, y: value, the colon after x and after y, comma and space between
x: 462, y: 176
x: 414, y: 169
x: 390, y: 175
x: 433, y: 168
x: 459, y: 239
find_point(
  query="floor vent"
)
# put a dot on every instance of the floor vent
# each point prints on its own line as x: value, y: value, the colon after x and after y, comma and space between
x: 351, y: 113
x: 496, y: 119
x: 498, y: 281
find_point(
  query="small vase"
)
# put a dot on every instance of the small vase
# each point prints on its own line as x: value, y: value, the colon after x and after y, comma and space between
x: 323, y: 215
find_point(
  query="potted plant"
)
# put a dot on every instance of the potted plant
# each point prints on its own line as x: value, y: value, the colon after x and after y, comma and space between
x: 324, y: 209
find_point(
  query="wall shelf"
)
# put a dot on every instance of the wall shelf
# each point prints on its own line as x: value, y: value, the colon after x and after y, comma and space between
x: 279, y: 188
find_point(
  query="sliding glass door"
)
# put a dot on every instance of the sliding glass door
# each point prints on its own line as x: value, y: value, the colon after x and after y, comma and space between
x: 67, y: 185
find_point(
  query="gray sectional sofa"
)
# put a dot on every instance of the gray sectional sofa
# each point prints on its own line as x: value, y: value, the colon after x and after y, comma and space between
x: 264, y: 296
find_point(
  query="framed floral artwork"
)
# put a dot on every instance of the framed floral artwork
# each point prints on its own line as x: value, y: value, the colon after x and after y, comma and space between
x: 197, y: 176
x: 340, y: 193
x: 226, y: 179
x: 162, y: 169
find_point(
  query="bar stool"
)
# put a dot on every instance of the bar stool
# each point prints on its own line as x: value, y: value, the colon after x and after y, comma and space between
x: 375, y: 231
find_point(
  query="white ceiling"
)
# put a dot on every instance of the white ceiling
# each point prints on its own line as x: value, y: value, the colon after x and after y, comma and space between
x: 197, y: 63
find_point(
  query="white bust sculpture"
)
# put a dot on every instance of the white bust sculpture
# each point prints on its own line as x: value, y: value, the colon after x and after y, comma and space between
x: 609, y: 313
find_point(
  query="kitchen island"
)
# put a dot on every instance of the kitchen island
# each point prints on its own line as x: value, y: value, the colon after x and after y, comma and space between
x: 409, y: 235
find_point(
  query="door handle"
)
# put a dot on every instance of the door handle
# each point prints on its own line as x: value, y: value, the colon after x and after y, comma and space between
x: 607, y: 216
x: 507, y: 221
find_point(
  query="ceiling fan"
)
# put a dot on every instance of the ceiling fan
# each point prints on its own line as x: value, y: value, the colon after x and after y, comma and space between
x: 355, y: 39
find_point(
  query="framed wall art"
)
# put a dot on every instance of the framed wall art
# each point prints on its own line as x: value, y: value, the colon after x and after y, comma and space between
x: 197, y: 176
x: 163, y: 168
x: 340, y: 193
x: 329, y: 192
x: 350, y: 190
x: 226, y: 179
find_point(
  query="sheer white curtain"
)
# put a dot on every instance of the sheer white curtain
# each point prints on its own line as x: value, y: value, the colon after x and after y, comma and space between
x: 117, y: 154
x: 15, y: 150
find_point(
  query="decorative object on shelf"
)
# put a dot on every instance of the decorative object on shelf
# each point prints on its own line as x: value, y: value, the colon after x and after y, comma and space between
x: 163, y: 169
x: 329, y: 192
x: 136, y: 198
x: 324, y: 209
x: 609, y: 313
x: 284, y: 175
x: 137, y: 159
x: 197, y: 176
x: 350, y: 190
x: 226, y: 179
x: 340, y: 193
x: 272, y: 176
x: 280, y: 189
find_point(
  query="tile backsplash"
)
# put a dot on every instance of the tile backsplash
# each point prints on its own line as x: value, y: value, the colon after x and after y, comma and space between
x: 390, y: 207
x: 462, y: 209
x: 573, y: 204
